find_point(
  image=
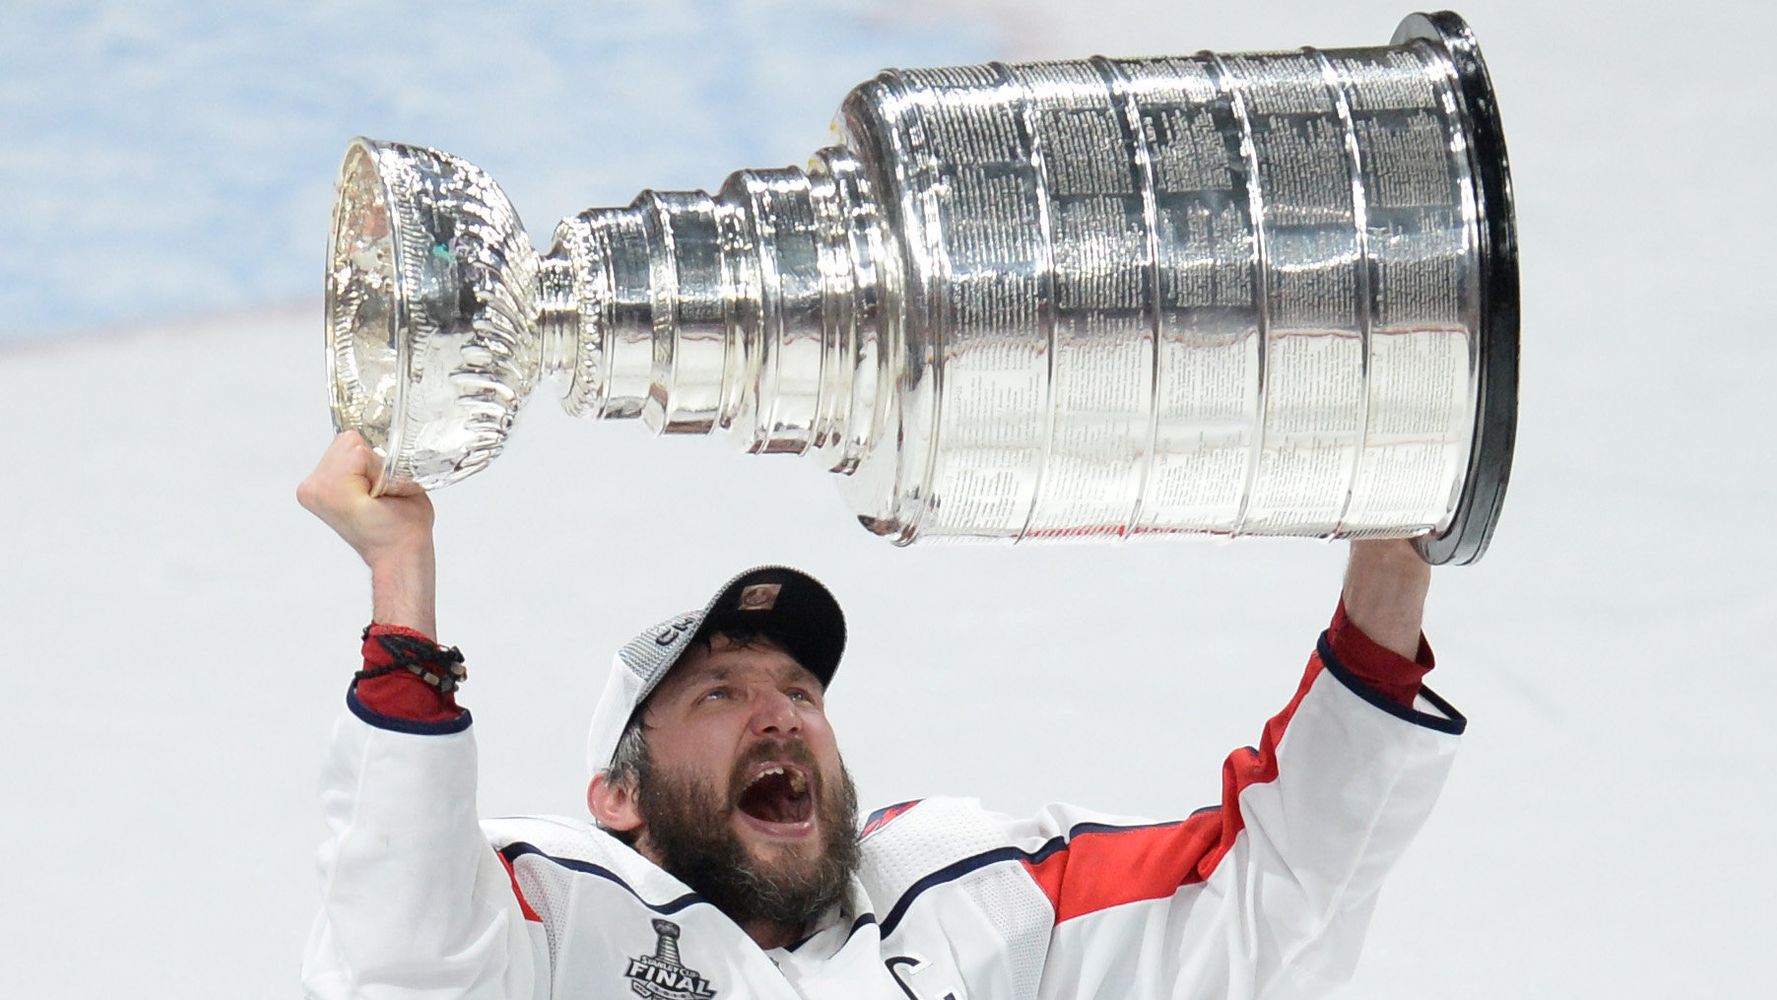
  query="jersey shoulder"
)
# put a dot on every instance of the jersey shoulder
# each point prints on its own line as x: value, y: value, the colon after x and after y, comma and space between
x: 576, y: 846
x: 909, y: 843
x: 557, y: 835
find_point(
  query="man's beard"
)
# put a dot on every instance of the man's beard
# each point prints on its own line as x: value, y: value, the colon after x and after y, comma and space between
x: 691, y: 827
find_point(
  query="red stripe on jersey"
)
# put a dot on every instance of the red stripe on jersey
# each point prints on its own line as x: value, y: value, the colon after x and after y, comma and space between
x: 523, y: 904
x: 1099, y: 869
x: 884, y: 816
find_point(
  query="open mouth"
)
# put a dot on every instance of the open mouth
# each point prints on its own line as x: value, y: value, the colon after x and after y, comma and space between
x: 778, y: 793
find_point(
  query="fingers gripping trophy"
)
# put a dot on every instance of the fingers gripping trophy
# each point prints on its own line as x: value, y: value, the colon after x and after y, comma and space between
x: 1224, y: 294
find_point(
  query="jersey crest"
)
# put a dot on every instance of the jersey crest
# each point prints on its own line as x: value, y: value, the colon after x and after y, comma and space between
x: 662, y: 976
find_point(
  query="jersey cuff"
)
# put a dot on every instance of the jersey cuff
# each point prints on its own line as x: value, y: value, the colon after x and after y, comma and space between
x: 397, y: 724
x: 1444, y: 718
x: 1381, y: 668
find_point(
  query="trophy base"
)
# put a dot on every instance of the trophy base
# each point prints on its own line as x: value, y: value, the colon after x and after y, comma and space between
x: 1490, y: 458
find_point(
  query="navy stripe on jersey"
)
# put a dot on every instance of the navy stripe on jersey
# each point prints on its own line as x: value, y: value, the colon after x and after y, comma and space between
x: 957, y: 869
x: 1452, y: 721
x: 519, y: 849
x: 397, y: 725
x: 857, y: 925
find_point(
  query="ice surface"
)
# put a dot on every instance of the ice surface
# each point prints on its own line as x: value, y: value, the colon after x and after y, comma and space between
x: 175, y: 633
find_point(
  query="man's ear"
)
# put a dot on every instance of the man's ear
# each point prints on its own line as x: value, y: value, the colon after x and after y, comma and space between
x: 613, y: 803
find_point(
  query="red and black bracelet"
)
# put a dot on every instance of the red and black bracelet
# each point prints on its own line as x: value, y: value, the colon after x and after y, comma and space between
x: 440, y: 667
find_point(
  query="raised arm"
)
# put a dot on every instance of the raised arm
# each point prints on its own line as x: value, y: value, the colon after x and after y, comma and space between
x: 415, y: 903
x: 1269, y: 892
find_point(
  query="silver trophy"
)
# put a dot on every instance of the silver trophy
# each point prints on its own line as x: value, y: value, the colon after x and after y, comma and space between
x: 1263, y: 294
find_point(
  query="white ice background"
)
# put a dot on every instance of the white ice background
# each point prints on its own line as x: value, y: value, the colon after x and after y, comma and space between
x: 175, y: 634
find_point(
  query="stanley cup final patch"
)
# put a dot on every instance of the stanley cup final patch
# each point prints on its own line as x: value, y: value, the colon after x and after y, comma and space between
x: 760, y: 597
x: 661, y: 976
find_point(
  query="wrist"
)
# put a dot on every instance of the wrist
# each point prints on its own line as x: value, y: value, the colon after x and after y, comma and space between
x: 403, y: 591
x: 1384, y: 595
x: 1391, y: 551
x: 395, y: 556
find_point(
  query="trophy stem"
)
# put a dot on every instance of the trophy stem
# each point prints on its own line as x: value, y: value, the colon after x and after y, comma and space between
x: 558, y: 316
x: 753, y: 310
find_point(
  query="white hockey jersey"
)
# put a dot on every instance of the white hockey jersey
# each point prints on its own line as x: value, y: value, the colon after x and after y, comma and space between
x: 1267, y: 894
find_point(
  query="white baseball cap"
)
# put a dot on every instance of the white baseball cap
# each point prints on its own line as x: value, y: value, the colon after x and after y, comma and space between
x: 788, y: 605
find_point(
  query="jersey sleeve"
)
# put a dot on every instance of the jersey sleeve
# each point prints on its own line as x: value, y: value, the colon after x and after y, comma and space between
x: 415, y: 902
x: 1269, y: 892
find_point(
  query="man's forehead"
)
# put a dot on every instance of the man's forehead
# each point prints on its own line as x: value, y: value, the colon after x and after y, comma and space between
x: 722, y: 660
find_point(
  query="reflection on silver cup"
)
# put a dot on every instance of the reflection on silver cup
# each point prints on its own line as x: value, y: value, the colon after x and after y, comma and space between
x: 1269, y: 294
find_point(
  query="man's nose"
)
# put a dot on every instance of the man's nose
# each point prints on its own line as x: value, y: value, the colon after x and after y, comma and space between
x: 775, y: 714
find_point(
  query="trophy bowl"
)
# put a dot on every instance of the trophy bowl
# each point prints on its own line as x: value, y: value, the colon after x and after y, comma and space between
x: 430, y: 306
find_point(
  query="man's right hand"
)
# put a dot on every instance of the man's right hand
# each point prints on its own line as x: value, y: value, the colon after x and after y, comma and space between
x: 391, y: 533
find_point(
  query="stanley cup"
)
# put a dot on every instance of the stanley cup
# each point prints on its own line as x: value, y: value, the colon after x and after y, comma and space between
x: 1263, y: 294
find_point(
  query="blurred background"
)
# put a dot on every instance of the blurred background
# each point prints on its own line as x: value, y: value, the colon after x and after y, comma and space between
x: 176, y: 634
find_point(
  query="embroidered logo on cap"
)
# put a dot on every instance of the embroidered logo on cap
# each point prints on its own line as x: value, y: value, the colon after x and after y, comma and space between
x: 760, y: 596
x: 673, y: 631
x: 661, y: 976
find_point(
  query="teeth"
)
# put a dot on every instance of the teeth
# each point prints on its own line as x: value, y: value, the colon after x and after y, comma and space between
x: 797, y: 780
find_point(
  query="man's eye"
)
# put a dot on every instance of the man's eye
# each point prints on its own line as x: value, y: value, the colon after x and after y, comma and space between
x: 798, y: 694
x: 716, y: 694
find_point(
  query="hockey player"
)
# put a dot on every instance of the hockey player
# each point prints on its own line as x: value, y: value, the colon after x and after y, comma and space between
x: 723, y: 858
